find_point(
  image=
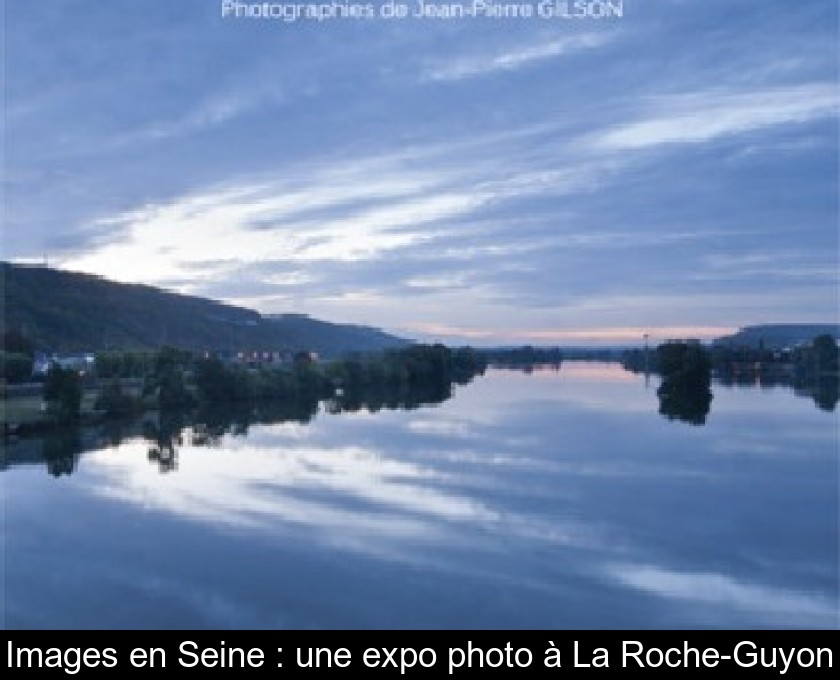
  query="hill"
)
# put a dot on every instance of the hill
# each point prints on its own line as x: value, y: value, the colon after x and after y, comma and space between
x: 66, y: 311
x: 778, y: 336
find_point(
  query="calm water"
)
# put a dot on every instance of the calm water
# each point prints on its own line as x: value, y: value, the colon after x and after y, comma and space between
x: 555, y: 500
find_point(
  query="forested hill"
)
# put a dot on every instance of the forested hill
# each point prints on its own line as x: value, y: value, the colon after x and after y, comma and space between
x: 779, y: 336
x: 65, y: 311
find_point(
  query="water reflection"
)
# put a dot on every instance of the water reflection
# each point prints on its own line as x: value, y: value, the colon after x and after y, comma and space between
x: 711, y: 591
x: 825, y: 392
x: 207, y: 426
x: 60, y: 450
x: 164, y: 432
x: 823, y: 389
x: 276, y: 486
x: 549, y: 500
x: 685, y: 398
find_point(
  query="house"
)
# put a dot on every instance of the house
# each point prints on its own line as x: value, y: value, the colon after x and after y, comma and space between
x: 81, y: 363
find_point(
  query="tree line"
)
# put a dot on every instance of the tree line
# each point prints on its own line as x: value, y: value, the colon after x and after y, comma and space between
x: 818, y: 358
x: 686, y: 369
x: 177, y: 379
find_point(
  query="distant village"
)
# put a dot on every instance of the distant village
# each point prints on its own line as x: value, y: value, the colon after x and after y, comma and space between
x: 85, y: 363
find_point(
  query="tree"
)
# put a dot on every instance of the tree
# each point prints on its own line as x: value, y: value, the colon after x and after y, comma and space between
x: 217, y: 384
x: 63, y: 394
x: 16, y: 368
x: 685, y: 393
x: 166, y: 381
x: 114, y: 402
x: 824, y: 349
x: 17, y: 342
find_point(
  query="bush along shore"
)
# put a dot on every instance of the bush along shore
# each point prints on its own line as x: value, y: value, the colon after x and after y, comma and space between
x: 124, y: 385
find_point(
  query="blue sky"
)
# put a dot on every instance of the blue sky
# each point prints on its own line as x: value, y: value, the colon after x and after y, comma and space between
x: 672, y: 171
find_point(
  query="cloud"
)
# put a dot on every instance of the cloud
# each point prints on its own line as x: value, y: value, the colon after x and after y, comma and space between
x: 459, y: 68
x: 815, y: 267
x: 459, y: 234
x: 216, y: 110
x: 351, y: 209
x: 706, y: 116
x: 492, y: 177
x: 270, y: 219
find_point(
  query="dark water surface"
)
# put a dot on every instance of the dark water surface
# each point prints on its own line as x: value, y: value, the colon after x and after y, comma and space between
x: 550, y: 500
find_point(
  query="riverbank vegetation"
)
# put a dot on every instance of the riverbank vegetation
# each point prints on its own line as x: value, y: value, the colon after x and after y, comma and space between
x: 126, y: 384
x: 812, y: 369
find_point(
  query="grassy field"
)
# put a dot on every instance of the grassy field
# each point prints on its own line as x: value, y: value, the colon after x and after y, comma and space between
x: 22, y: 410
x: 28, y: 410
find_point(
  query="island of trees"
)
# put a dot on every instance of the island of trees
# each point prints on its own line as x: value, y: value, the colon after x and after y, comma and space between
x: 685, y: 392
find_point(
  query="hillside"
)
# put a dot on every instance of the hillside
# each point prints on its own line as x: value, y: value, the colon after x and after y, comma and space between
x: 65, y: 311
x: 778, y: 336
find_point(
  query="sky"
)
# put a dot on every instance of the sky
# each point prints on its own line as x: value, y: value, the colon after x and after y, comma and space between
x: 672, y: 171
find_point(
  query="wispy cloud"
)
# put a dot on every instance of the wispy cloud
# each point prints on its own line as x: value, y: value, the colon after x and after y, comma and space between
x: 322, y: 214
x: 769, y: 265
x: 705, y: 116
x: 338, y: 210
x: 216, y: 110
x: 459, y: 68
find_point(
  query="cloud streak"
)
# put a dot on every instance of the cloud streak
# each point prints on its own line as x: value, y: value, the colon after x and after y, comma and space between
x: 460, y: 68
x: 706, y: 116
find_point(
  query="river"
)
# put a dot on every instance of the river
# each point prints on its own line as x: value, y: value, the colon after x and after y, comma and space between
x: 555, y: 499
